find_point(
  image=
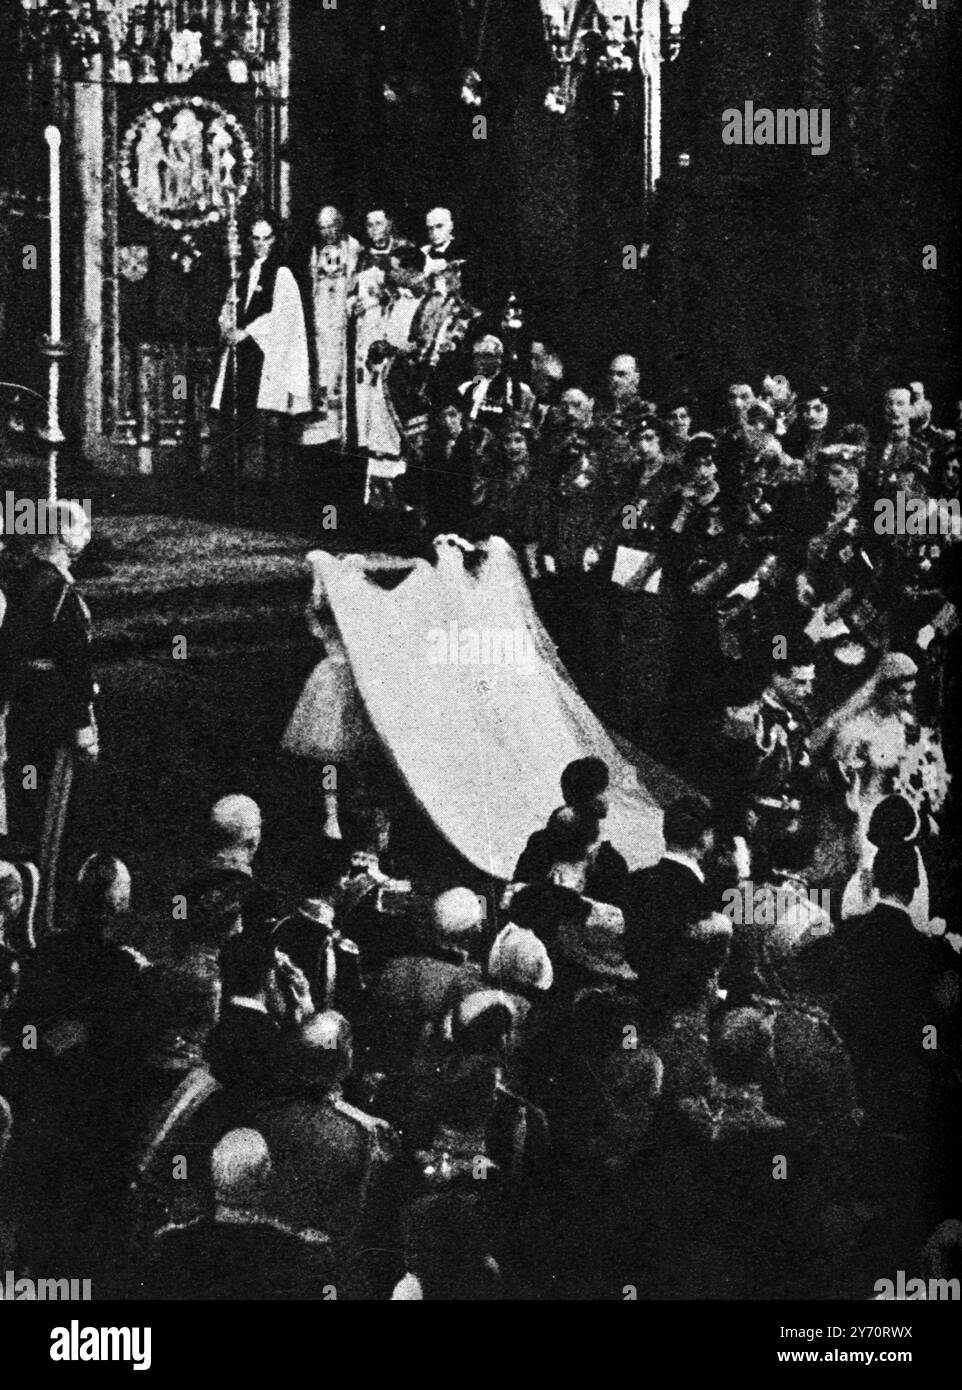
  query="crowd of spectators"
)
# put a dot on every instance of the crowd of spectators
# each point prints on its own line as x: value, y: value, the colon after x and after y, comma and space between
x: 735, y: 1073
x: 599, y: 1085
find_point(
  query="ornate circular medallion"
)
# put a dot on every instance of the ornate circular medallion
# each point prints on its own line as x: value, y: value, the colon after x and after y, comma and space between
x: 184, y: 161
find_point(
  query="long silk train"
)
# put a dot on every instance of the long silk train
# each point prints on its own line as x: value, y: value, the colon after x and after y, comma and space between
x: 479, y: 723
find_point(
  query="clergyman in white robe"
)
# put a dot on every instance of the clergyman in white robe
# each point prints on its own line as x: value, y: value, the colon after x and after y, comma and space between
x: 331, y: 271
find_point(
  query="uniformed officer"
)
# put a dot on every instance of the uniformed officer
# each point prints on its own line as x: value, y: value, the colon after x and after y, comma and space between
x: 331, y: 962
x: 769, y: 740
x: 47, y: 690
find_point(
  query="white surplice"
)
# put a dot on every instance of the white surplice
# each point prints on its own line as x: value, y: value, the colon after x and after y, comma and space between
x: 281, y: 336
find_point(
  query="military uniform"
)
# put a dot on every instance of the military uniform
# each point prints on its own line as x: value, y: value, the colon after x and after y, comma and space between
x: 487, y: 401
x: 331, y: 1162
x: 47, y: 687
x: 331, y: 962
x: 771, y: 745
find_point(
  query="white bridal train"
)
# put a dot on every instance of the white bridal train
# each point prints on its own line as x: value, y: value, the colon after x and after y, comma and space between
x: 462, y: 687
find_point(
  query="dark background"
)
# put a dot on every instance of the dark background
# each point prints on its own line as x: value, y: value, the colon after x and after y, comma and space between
x: 762, y: 258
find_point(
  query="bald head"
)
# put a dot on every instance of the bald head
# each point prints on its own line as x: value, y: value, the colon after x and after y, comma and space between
x: 240, y: 1167
x: 330, y: 225
x: 456, y: 916
x: 321, y: 1052
x: 235, y: 827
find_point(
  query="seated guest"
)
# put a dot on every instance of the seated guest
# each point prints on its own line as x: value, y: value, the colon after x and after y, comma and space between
x: 664, y: 900
x: 502, y: 493
x: 811, y: 431
x: 414, y: 990
x: 776, y: 392
x: 547, y: 377
x: 238, y: 1252
x: 491, y: 393
x: 331, y: 962
x: 331, y: 1160
x: 570, y: 851
x: 688, y: 524
x: 622, y: 410
x: 897, y: 453
x: 452, y: 456
x: 676, y: 414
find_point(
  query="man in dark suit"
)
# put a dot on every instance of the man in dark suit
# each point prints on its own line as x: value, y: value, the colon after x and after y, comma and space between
x: 670, y: 896
x: 898, y: 992
x: 263, y: 994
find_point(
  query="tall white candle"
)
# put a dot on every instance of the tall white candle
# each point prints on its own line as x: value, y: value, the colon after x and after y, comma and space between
x: 52, y: 136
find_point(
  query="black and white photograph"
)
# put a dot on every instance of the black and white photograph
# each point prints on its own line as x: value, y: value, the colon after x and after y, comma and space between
x: 479, y: 633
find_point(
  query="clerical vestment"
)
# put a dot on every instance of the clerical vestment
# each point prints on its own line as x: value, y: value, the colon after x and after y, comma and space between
x: 331, y: 271
x: 383, y: 328
x: 271, y: 312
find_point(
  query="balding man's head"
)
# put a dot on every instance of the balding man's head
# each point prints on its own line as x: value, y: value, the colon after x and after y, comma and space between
x: 330, y: 225
x: 320, y: 1053
x: 235, y: 827
x: 456, y: 917
x: 240, y: 1167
